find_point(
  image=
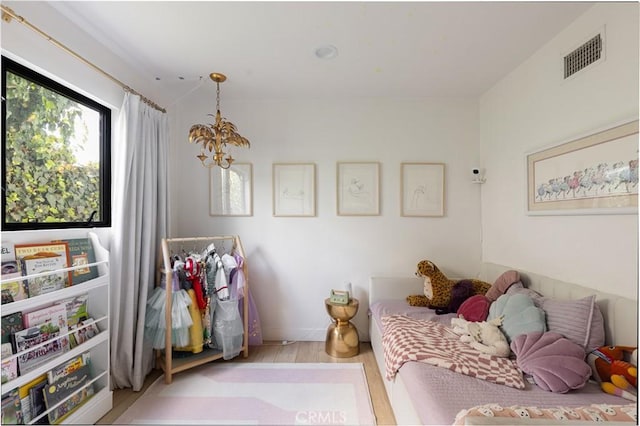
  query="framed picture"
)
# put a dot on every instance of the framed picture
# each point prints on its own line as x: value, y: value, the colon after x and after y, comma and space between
x: 358, y: 189
x: 595, y: 174
x: 230, y: 190
x: 422, y: 189
x: 294, y: 187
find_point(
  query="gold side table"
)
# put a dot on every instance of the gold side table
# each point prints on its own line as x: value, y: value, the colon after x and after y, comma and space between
x: 342, y: 336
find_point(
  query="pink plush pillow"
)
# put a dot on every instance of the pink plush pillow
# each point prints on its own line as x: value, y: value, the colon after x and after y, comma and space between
x: 502, y: 284
x: 556, y: 363
x: 475, y: 308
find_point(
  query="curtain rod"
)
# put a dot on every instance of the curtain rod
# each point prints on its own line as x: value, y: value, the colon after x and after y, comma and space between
x: 7, y: 14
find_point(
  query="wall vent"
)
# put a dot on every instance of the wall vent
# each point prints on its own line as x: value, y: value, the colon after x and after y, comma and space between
x: 583, y: 56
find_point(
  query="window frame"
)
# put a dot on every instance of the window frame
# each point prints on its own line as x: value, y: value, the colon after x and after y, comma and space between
x: 104, y: 128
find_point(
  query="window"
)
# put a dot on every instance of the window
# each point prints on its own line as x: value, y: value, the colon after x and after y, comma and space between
x: 56, y: 150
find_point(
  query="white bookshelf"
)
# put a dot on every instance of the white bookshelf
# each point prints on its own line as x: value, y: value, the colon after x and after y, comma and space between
x: 98, y: 303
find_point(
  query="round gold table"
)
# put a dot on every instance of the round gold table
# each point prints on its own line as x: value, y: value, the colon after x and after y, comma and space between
x: 342, y: 336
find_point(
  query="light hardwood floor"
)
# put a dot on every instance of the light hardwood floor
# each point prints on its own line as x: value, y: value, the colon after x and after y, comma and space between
x: 275, y: 352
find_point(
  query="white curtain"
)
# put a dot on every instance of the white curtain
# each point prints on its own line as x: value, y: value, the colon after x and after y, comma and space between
x: 139, y: 222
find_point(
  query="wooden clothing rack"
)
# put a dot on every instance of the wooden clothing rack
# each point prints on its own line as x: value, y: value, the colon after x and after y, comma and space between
x: 164, y: 357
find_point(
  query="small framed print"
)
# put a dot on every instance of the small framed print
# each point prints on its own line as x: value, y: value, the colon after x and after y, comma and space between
x: 230, y: 191
x: 358, y: 189
x: 422, y: 189
x: 294, y: 189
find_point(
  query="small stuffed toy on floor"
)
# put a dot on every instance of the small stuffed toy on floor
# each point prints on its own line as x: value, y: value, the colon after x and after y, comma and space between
x: 484, y: 336
x: 616, y: 375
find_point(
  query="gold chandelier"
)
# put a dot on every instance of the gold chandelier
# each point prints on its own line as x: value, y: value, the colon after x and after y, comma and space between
x: 215, y: 137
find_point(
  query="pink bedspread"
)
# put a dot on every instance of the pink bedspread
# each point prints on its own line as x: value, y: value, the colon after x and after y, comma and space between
x: 435, y: 392
x: 408, y: 339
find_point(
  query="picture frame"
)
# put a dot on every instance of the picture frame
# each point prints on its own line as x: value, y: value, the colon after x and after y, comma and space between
x: 294, y: 189
x: 422, y: 189
x: 593, y: 174
x: 358, y: 188
x: 231, y: 190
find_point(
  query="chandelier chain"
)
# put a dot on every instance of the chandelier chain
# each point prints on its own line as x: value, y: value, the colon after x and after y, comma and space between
x: 217, y: 96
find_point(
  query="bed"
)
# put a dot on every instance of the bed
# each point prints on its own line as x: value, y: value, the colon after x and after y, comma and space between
x: 426, y: 394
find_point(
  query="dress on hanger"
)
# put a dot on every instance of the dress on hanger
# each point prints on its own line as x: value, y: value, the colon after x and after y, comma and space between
x: 238, y: 281
x: 155, y: 324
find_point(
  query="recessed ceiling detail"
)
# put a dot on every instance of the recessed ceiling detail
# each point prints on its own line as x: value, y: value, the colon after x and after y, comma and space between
x: 326, y: 52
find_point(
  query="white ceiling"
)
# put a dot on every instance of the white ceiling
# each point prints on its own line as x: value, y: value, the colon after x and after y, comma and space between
x: 266, y: 49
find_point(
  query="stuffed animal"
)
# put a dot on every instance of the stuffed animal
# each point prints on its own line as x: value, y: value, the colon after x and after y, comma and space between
x: 461, y: 291
x: 418, y: 300
x: 616, y: 375
x: 437, y: 287
x: 484, y: 336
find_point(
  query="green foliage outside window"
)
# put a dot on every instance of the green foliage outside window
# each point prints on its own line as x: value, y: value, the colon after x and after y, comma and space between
x: 45, y: 181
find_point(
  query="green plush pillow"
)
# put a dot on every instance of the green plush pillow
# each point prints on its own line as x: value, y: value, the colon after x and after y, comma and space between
x: 520, y: 315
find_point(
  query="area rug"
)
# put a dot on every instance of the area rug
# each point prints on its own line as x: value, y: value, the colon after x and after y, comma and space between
x: 258, y: 393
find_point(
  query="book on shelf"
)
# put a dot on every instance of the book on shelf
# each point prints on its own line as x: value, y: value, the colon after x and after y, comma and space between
x: 11, y: 408
x: 76, y: 308
x: 26, y: 401
x: 9, y: 365
x: 38, y: 406
x: 85, y: 330
x: 68, y: 367
x: 74, y: 387
x: 29, y: 359
x: 55, y: 313
x: 8, y: 259
x: 14, y: 290
x: 9, y: 324
x: 46, y: 283
x: 45, y: 257
x: 76, y: 311
x: 81, y: 253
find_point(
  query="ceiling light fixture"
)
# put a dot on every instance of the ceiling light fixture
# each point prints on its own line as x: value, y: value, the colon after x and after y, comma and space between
x: 215, y: 137
x: 326, y: 52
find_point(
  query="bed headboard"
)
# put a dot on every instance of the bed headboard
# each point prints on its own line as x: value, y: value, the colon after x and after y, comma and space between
x: 620, y: 313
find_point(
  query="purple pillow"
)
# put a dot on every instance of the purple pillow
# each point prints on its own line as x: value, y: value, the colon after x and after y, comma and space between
x: 502, y: 284
x: 579, y: 320
x: 475, y: 308
x: 556, y: 363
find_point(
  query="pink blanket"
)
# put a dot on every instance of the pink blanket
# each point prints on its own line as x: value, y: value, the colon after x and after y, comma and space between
x: 407, y: 339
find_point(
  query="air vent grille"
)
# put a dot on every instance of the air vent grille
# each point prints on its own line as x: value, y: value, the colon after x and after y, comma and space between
x: 583, y: 56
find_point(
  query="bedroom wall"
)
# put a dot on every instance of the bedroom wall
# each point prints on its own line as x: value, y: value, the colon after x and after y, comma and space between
x: 533, y: 108
x: 294, y: 262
